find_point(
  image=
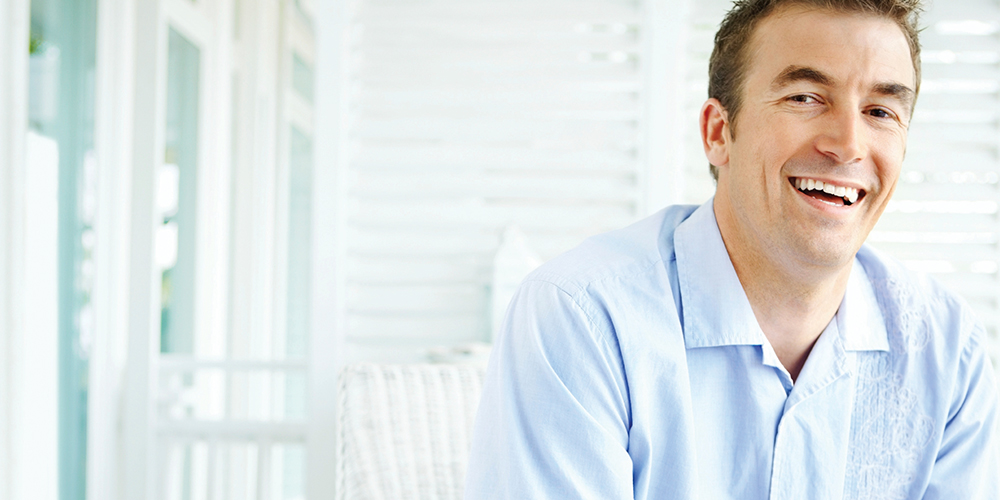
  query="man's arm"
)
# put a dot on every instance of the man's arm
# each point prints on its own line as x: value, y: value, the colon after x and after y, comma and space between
x: 968, y: 461
x: 554, y: 416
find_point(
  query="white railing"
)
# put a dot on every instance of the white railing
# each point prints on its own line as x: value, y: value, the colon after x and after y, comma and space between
x: 209, y: 449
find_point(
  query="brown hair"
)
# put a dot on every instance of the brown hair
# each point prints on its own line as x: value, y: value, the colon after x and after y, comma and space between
x: 728, y: 65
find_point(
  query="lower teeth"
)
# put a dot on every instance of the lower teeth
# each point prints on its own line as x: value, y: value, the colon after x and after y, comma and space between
x: 845, y: 200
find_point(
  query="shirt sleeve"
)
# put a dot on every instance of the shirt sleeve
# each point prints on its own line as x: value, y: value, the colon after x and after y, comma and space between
x: 553, y: 419
x: 968, y: 460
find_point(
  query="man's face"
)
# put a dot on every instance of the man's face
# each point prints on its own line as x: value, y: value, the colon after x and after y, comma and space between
x: 826, y: 105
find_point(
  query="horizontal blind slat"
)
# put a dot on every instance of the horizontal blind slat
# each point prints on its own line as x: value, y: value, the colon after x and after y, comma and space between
x: 467, y: 117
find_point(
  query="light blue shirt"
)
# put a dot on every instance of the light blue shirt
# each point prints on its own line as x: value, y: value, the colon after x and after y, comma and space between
x: 633, y: 367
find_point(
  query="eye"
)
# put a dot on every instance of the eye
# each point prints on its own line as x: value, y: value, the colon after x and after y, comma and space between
x: 803, y: 99
x: 880, y: 113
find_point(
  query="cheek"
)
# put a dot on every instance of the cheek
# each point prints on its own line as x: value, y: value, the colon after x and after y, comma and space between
x: 890, y: 178
x: 760, y: 157
x: 888, y: 160
x: 891, y: 155
x: 889, y: 173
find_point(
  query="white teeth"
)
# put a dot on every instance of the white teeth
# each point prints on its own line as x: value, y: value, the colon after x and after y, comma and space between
x: 848, y: 193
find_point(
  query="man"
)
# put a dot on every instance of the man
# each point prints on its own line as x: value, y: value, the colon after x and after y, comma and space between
x: 752, y: 348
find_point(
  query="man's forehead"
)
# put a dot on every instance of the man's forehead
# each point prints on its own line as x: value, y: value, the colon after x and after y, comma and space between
x: 798, y: 43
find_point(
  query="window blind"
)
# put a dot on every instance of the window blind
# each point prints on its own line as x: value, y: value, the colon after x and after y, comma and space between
x: 468, y: 117
x: 943, y: 217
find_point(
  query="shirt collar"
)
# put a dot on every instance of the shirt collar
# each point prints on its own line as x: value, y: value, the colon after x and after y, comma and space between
x: 860, y: 318
x: 716, y: 311
x: 715, y: 308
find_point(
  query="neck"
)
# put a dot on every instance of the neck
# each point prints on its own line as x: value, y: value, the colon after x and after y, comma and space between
x: 792, y: 302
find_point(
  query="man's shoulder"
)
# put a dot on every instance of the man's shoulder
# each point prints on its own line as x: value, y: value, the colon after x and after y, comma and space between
x: 919, y: 311
x: 624, y: 252
x: 902, y: 285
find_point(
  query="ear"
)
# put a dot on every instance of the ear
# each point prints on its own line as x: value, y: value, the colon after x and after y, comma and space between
x: 715, y: 137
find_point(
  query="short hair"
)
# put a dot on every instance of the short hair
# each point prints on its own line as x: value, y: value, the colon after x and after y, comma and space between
x: 727, y: 67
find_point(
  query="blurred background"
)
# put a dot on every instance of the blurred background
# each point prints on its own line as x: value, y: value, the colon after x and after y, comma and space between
x: 209, y: 207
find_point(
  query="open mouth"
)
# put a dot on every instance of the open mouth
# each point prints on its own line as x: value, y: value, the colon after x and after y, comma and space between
x: 828, y: 193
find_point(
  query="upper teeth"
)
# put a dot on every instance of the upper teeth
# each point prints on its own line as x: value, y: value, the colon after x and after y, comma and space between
x: 848, y: 193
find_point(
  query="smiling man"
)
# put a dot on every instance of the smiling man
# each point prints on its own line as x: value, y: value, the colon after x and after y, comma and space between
x: 753, y: 347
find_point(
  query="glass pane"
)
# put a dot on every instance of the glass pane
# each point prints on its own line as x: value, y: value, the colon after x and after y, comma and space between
x: 302, y: 78
x: 289, y: 470
x: 208, y: 470
x: 295, y: 396
x: 299, y: 269
x: 240, y: 394
x: 237, y: 8
x: 176, y: 197
x: 303, y: 14
x: 299, y: 243
x: 61, y: 139
x: 201, y: 470
x: 193, y: 395
x: 267, y: 395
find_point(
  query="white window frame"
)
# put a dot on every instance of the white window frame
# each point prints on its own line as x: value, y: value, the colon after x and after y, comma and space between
x: 205, y: 24
x: 13, y: 121
x: 666, y: 31
x: 113, y: 140
x: 28, y: 284
x: 138, y: 434
x: 328, y: 223
x: 129, y: 464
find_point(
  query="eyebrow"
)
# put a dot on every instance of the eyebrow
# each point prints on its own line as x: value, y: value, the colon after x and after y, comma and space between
x: 793, y: 74
x: 897, y: 90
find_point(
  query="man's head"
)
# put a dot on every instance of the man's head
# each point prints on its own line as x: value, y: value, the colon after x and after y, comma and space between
x: 731, y: 56
x: 824, y: 101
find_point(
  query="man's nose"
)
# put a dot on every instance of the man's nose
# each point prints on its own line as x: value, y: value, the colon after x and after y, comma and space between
x: 843, y: 136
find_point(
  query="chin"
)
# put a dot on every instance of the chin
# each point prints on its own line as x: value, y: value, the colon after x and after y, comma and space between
x: 823, y: 253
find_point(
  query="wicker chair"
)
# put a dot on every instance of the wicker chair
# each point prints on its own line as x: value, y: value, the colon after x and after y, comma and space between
x: 405, y: 430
